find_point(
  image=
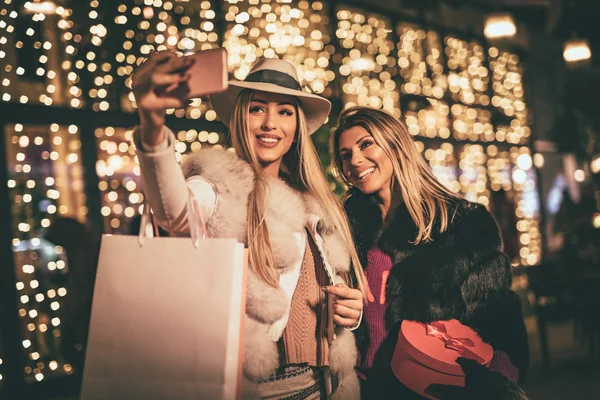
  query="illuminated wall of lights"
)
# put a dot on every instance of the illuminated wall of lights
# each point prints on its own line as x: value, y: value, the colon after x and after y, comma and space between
x: 419, y: 54
x: 45, y: 181
x: 293, y: 30
x: 471, y: 123
x: 430, y: 120
x: 442, y: 160
x: 368, y: 63
x: 468, y: 77
x: 463, y: 102
x: 507, y: 83
x: 527, y: 202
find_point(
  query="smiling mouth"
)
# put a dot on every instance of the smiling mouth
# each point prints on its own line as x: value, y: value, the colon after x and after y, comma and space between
x: 268, y: 140
x: 365, y: 174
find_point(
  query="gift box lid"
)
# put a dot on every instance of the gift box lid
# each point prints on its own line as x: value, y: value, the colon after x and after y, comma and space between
x: 438, y: 344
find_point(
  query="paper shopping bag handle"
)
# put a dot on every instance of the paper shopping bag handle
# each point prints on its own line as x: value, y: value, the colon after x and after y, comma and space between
x: 196, y: 223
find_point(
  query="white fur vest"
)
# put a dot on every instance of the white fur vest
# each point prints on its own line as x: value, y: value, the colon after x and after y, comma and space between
x: 288, y: 214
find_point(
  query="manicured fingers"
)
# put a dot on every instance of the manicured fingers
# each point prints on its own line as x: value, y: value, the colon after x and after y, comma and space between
x: 175, y: 65
x: 161, y: 103
x: 342, y: 291
x: 346, y: 312
x: 353, y: 304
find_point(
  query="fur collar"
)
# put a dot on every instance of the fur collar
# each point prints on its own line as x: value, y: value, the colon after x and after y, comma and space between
x: 434, y: 280
x: 470, y: 225
x: 288, y: 212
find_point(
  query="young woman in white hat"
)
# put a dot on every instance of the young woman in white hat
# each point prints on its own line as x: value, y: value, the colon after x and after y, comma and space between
x: 271, y: 194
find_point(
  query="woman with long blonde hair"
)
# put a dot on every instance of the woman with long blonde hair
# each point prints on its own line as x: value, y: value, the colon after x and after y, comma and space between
x: 272, y: 194
x: 429, y: 256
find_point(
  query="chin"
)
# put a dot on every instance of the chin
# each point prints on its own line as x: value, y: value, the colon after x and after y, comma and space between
x: 268, y: 158
x: 369, y: 188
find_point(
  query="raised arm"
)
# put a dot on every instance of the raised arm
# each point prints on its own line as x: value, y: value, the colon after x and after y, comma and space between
x: 164, y: 185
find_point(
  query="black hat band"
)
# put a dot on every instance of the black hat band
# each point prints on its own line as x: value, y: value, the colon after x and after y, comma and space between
x: 275, y: 78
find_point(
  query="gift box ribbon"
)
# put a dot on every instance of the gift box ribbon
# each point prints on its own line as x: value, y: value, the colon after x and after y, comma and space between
x: 461, y: 345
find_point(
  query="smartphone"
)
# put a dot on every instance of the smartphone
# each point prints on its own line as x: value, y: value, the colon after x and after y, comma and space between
x: 208, y: 75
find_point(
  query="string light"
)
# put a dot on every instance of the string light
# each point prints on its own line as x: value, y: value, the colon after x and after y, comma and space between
x: 419, y: 58
x: 468, y: 78
x: 430, y: 121
x: 368, y: 63
x: 296, y: 31
x: 444, y: 165
x: 41, y: 266
x: 507, y: 85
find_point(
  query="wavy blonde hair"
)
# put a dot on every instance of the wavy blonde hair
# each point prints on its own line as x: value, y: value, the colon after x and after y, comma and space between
x: 425, y: 197
x: 301, y: 169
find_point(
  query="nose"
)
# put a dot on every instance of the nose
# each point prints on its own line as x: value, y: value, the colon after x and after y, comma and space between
x: 356, y: 159
x: 268, y: 121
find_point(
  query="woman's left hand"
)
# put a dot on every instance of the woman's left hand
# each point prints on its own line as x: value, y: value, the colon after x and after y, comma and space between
x: 347, y: 304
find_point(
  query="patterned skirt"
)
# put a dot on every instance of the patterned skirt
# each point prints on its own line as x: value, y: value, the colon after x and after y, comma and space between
x: 295, y: 382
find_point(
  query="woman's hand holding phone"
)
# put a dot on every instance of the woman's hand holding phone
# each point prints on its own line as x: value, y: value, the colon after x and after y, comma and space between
x: 152, y: 83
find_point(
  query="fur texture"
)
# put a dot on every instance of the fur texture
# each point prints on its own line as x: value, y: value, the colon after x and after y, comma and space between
x: 287, y: 213
x: 461, y: 273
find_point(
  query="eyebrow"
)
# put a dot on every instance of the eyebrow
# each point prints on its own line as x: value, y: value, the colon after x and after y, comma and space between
x: 357, y: 142
x: 285, y: 103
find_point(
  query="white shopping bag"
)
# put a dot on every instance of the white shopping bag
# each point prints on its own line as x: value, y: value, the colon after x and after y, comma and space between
x: 167, y: 318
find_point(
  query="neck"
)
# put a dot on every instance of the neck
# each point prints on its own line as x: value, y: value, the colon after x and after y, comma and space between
x: 272, y: 169
x: 388, y: 200
x: 385, y: 201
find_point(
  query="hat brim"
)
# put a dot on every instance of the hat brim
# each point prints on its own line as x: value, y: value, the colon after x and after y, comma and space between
x: 315, y: 108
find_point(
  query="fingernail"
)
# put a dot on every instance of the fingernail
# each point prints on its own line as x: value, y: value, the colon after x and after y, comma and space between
x: 325, y: 288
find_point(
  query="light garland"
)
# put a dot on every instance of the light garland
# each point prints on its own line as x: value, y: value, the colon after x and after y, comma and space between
x: 37, y: 200
x: 420, y: 62
x: 469, y: 77
x: 293, y: 30
x: 368, y: 63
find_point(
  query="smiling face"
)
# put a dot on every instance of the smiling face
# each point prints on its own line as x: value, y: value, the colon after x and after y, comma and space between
x: 364, y: 163
x: 272, y: 123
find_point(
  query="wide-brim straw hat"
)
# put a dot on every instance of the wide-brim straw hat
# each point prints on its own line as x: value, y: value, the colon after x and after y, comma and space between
x: 273, y: 75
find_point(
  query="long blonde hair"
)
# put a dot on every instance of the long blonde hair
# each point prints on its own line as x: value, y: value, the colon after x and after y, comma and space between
x: 424, y: 196
x: 301, y: 169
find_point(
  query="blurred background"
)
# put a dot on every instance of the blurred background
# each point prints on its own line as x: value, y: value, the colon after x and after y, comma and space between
x: 500, y: 96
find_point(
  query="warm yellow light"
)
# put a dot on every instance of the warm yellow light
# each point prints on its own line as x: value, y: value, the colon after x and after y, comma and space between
x: 361, y: 64
x: 595, y: 165
x: 597, y: 220
x: 576, y: 50
x: 44, y: 7
x: 499, y: 25
x: 538, y: 160
x: 524, y: 161
x: 579, y: 175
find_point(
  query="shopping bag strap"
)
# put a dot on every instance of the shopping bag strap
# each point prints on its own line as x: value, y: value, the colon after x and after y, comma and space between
x: 196, y: 223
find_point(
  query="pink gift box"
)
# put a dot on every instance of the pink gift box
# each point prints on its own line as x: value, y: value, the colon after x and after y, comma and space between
x: 426, y: 353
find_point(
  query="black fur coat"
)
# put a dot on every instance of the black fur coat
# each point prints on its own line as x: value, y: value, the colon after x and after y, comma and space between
x: 462, y: 274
